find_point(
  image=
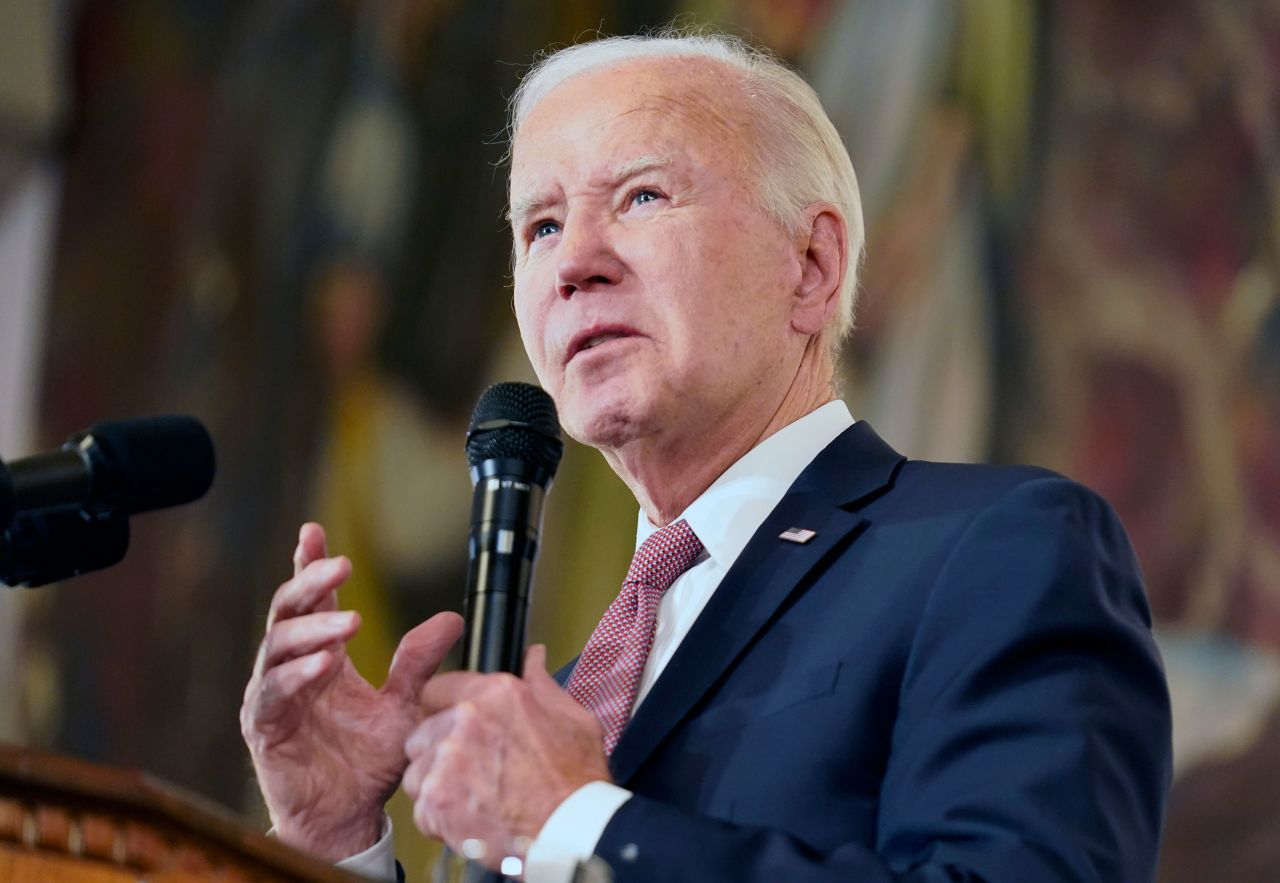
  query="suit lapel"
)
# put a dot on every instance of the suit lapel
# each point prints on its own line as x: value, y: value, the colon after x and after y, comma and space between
x: 824, y: 499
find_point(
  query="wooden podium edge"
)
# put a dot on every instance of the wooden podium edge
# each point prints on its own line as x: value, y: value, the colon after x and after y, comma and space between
x: 31, y: 776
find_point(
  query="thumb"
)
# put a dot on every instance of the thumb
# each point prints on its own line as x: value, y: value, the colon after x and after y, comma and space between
x: 420, y: 653
x: 535, y: 670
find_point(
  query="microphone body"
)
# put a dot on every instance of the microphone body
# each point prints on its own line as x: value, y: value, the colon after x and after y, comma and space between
x: 506, y: 519
x: 514, y: 448
x: 55, y: 480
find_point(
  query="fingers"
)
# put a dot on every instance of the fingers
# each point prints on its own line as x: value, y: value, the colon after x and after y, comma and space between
x: 420, y: 653
x: 421, y: 748
x: 447, y: 690
x: 492, y: 764
x: 535, y: 659
x: 292, y: 638
x: 301, y: 652
x: 494, y: 689
x: 535, y: 669
x: 540, y: 681
x: 310, y: 546
x: 313, y: 589
x: 451, y: 773
x: 310, y: 549
x: 284, y: 686
x: 299, y: 629
x: 548, y: 693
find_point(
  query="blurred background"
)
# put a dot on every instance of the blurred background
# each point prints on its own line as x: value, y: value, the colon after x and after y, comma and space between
x: 285, y: 217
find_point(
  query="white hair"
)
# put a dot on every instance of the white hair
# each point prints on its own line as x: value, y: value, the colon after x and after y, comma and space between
x: 800, y: 158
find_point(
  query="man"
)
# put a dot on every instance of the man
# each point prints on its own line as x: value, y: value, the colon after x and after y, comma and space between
x: 827, y: 663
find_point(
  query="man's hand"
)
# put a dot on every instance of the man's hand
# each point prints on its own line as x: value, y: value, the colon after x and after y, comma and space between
x: 328, y: 749
x: 497, y: 754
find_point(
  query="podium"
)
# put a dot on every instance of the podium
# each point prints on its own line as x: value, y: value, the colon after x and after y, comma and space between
x: 68, y: 820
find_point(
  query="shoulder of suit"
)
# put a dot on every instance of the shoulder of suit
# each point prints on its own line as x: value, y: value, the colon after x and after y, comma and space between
x: 977, y: 486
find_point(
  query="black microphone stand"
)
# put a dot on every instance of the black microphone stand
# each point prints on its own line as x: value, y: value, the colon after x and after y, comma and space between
x: 49, y: 546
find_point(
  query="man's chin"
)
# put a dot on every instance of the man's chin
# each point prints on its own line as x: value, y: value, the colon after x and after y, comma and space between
x: 599, y: 427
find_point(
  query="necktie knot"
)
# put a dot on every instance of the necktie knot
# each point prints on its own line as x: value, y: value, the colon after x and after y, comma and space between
x: 607, y: 676
x: 664, y: 555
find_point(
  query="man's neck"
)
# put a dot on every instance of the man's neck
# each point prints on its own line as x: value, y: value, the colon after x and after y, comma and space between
x: 668, y: 472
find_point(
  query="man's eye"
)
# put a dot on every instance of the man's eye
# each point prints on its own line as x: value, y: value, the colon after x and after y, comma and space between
x: 640, y: 197
x: 545, y: 228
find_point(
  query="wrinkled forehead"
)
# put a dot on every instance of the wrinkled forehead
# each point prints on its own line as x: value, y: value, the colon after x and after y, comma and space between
x: 691, y: 105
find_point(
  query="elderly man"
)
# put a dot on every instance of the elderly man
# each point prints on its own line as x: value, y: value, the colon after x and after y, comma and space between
x: 827, y: 662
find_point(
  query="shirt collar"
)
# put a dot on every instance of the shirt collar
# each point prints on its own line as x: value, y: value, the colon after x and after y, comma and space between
x: 728, y: 513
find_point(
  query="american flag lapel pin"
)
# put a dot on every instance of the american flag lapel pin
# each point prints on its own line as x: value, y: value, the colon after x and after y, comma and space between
x: 799, y: 535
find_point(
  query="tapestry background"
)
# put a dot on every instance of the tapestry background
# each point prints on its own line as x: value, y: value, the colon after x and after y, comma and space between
x: 286, y: 218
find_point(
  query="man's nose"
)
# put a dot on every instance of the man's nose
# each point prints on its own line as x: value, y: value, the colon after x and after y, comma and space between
x: 586, y: 258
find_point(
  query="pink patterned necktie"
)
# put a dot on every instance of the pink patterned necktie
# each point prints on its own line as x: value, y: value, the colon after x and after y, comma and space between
x: 607, y: 675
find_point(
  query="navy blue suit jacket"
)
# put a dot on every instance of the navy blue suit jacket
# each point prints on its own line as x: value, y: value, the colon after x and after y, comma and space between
x: 953, y: 681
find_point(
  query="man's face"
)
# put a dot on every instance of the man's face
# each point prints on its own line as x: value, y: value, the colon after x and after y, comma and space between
x: 652, y: 295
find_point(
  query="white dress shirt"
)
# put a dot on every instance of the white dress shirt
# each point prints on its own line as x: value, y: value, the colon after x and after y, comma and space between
x: 724, y: 518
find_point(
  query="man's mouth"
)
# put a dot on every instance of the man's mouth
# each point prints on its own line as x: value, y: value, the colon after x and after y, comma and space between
x: 594, y: 337
x: 599, y: 339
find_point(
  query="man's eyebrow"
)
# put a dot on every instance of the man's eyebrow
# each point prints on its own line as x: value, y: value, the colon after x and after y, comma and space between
x: 525, y: 206
x: 529, y: 205
x: 638, y: 166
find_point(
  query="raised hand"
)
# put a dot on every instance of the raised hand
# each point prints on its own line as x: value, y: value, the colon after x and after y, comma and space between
x: 328, y: 748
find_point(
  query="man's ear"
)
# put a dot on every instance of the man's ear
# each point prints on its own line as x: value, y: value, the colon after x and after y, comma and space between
x: 824, y: 263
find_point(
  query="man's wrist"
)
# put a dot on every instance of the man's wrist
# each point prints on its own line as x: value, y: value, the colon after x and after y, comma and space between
x: 333, y: 843
x: 570, y: 834
x: 378, y: 862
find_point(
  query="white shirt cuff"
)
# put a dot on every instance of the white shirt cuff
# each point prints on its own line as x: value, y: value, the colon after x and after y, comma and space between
x: 378, y: 862
x: 570, y: 834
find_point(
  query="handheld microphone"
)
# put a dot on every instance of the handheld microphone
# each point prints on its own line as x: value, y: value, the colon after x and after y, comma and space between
x: 514, y: 447
x: 67, y: 512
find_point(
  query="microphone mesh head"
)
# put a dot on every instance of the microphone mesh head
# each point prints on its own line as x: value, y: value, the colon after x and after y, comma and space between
x: 515, y: 421
x: 158, y: 461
